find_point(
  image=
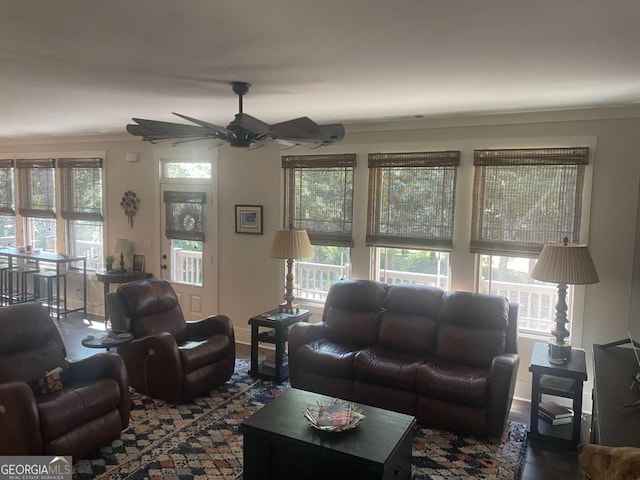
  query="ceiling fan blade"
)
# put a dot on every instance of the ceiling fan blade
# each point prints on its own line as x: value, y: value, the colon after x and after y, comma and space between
x: 153, y: 130
x: 202, y: 123
x: 304, y: 131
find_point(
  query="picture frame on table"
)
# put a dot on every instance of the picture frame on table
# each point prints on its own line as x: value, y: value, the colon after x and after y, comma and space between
x: 249, y: 219
x: 137, y: 264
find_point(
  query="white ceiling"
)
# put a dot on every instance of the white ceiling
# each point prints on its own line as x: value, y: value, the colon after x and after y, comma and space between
x: 75, y: 67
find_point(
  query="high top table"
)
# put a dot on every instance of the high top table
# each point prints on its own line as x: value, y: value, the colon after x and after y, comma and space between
x: 58, y: 261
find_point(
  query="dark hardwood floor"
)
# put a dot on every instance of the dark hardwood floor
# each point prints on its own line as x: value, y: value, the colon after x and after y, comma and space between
x: 545, y: 460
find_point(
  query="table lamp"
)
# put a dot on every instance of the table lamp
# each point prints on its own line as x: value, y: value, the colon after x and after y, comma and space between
x: 565, y: 264
x: 290, y: 244
x: 121, y: 246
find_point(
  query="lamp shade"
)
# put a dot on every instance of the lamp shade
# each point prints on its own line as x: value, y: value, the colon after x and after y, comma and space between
x: 122, y: 245
x: 291, y: 243
x: 565, y: 263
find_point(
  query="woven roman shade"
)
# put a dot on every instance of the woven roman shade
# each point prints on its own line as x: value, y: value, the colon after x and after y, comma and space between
x: 524, y: 198
x: 411, y: 200
x: 318, y: 197
x: 36, y: 184
x: 81, y: 183
x: 6, y: 187
x: 184, y: 215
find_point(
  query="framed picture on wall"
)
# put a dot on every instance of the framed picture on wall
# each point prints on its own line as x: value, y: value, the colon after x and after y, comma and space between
x: 137, y: 265
x: 249, y: 219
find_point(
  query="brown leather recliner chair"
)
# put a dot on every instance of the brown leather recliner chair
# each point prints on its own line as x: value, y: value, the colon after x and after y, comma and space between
x: 170, y: 358
x: 88, y: 408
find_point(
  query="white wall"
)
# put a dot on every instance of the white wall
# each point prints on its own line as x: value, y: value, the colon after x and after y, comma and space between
x: 251, y: 282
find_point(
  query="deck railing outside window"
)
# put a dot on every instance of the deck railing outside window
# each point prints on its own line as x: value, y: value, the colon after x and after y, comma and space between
x: 536, y: 302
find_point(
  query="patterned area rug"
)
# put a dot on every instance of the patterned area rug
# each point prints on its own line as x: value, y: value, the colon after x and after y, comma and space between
x: 201, y: 439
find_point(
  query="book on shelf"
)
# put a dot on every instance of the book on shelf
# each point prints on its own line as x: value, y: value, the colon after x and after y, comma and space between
x: 270, y: 361
x: 557, y: 383
x: 554, y: 421
x: 554, y: 411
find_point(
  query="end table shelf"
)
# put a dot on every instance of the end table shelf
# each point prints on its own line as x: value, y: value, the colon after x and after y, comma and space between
x: 276, y: 332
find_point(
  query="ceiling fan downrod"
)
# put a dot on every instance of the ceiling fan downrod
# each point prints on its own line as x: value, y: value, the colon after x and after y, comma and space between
x: 240, y: 89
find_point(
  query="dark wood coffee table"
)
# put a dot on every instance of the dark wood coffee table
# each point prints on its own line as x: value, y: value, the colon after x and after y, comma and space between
x: 280, y: 444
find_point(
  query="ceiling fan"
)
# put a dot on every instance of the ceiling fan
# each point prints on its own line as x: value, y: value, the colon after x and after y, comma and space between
x: 244, y: 130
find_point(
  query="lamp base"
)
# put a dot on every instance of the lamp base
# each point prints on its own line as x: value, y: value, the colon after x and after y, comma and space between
x: 559, y: 353
x: 285, y: 308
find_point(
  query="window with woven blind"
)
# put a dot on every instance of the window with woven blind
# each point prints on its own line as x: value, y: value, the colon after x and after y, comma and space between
x: 36, y: 183
x: 524, y: 198
x: 184, y: 215
x: 319, y: 197
x: 81, y: 208
x: 81, y: 184
x: 411, y: 200
x: 7, y: 201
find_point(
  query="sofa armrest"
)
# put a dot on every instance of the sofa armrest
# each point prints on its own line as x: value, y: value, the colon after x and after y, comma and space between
x: 301, y: 334
x: 19, y: 420
x: 207, y: 327
x: 502, y: 383
x: 99, y: 366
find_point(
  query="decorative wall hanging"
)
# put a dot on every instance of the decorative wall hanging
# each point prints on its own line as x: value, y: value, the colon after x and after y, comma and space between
x: 129, y: 203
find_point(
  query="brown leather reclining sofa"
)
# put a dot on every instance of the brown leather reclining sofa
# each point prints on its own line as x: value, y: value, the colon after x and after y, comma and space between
x: 447, y: 358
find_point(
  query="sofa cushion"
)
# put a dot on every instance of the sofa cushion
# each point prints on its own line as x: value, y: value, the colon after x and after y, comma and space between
x: 387, y: 368
x: 352, y: 327
x: 327, y: 358
x: 197, y: 354
x: 453, y: 382
x: 63, y: 411
x: 413, y: 334
x: 473, y: 328
x: 470, y: 346
x: 153, y: 307
x: 475, y: 310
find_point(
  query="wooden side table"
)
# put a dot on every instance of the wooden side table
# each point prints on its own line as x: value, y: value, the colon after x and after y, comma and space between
x: 108, y: 341
x: 561, y: 381
x: 278, y: 325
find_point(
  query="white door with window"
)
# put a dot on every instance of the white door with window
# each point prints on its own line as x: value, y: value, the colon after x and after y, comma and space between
x: 188, y: 240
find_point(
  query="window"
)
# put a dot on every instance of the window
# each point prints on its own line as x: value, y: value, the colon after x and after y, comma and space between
x: 522, y: 199
x: 184, y: 217
x: 319, y: 198
x: 81, y: 194
x: 7, y: 204
x: 37, y: 196
x: 185, y: 169
x: 410, y: 215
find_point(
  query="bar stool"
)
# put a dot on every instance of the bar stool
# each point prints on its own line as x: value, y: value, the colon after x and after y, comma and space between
x: 4, y: 284
x: 19, y: 284
x: 55, y: 302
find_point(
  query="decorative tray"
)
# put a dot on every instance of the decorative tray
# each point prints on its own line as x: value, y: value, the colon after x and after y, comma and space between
x: 334, y: 416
